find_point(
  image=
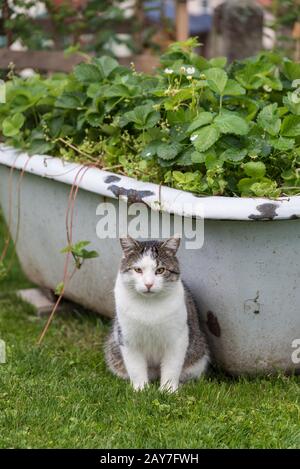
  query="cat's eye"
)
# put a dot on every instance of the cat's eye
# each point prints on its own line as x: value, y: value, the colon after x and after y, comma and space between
x: 160, y: 270
x: 138, y: 270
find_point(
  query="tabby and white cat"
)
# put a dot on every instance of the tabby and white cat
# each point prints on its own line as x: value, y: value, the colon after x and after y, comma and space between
x: 156, y: 329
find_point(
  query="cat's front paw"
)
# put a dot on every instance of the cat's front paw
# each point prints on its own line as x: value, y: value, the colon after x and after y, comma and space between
x: 139, y: 386
x: 169, y: 387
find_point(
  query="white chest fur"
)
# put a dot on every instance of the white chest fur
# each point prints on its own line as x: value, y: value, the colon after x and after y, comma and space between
x: 151, y: 325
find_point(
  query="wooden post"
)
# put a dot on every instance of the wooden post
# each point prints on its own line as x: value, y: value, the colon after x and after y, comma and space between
x: 182, y: 20
x: 140, y: 18
x: 241, y: 28
x: 296, y: 37
x: 6, y: 16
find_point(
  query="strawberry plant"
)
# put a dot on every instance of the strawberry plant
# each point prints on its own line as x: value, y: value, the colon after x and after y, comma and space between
x: 196, y: 124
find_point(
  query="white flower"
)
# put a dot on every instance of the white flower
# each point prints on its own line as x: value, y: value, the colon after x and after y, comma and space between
x: 190, y: 70
x: 295, y: 96
x: 149, y: 153
x: 182, y: 69
x: 168, y: 71
x: 189, y: 77
x: 296, y: 83
x: 193, y: 137
x: 267, y: 88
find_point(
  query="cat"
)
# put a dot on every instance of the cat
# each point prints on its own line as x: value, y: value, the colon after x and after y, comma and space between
x: 156, y: 330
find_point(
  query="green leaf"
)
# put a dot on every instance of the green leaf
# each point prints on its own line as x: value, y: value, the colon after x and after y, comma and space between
x: 257, y: 145
x: 94, y: 90
x: 21, y: 102
x: 265, y: 188
x: 182, y: 95
x: 144, y: 117
x: 202, y: 119
x: 78, y: 250
x: 168, y: 151
x: 233, y: 88
x: 59, y: 288
x: 262, y: 187
x: 291, y: 126
x: 95, y: 119
x: 244, y: 185
x: 185, y: 159
x: 55, y: 125
x: 181, y: 116
x: 205, y: 137
x: 253, y: 75
x: 272, y: 83
x: 187, y: 180
x: 152, y: 119
x: 248, y: 107
x: 75, y: 248
x: 178, y: 133
x: 40, y: 147
x: 233, y: 155
x: 292, y: 104
x: 166, y: 163
x: 268, y: 119
x: 255, y: 169
x: 218, y: 62
x: 11, y: 125
x: 282, y: 143
x: 84, y: 254
x: 212, y: 161
x: 198, y: 157
x: 87, y: 73
x: 3, y: 271
x: 116, y: 91
x: 289, y: 175
x: 150, y: 150
x: 230, y: 123
x: 217, y: 79
x: 291, y: 69
x: 71, y: 100
x: 106, y: 65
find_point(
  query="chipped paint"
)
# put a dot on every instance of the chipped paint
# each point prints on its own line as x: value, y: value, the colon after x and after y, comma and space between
x: 132, y: 195
x: 266, y: 211
x: 111, y: 178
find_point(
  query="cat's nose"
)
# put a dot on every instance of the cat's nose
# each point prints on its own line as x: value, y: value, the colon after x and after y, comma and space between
x: 148, y: 286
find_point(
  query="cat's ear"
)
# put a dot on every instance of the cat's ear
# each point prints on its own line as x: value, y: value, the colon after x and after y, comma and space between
x: 129, y: 245
x: 171, y: 244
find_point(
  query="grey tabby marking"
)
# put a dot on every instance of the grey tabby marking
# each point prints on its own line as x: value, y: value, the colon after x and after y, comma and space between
x: 197, y: 341
x: 163, y: 257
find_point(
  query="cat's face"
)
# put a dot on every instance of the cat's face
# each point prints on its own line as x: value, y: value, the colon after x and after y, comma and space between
x: 150, y: 267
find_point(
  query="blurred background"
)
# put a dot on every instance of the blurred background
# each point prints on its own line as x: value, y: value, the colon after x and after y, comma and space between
x: 54, y: 35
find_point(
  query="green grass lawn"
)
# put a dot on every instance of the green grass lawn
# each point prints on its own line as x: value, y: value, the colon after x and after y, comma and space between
x: 61, y: 394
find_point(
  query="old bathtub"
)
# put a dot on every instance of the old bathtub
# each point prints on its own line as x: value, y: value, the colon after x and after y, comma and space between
x: 245, y: 277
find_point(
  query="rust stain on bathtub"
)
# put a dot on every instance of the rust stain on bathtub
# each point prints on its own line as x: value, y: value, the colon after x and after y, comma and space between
x: 266, y: 211
x: 213, y: 324
x: 132, y: 195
